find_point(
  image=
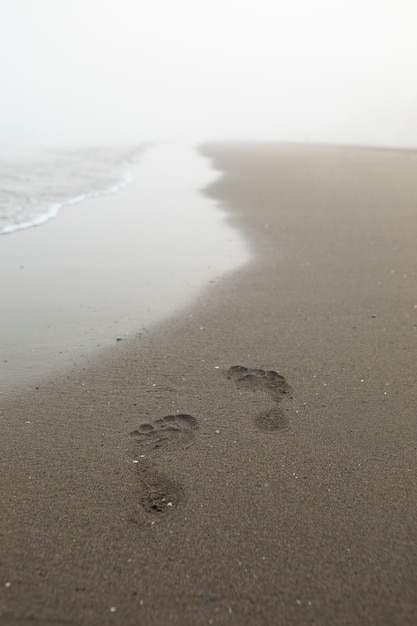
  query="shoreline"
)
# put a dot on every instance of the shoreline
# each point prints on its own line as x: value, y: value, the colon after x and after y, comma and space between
x: 105, y: 269
x: 157, y: 485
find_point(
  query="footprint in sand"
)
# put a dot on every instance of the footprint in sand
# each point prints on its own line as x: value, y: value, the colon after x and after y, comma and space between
x: 166, y: 433
x: 157, y: 494
x: 269, y: 382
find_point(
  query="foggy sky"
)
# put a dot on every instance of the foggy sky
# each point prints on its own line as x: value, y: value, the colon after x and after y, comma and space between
x: 85, y: 72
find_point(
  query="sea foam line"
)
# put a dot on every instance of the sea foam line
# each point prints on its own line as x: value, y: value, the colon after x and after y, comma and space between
x: 54, y: 209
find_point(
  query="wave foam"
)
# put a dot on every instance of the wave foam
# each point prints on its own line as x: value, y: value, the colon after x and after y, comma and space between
x: 35, y: 188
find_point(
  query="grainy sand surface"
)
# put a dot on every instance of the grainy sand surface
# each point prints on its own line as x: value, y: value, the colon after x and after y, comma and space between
x: 161, y: 484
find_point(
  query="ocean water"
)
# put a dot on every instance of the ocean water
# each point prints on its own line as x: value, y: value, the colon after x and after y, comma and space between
x: 34, y: 187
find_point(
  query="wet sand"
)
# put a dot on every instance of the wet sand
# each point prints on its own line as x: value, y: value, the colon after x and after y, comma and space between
x: 252, y: 459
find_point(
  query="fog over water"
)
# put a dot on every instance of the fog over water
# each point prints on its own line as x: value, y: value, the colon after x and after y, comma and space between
x: 91, y: 72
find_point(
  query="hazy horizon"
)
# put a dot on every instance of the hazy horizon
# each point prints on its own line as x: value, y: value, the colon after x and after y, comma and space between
x: 95, y: 73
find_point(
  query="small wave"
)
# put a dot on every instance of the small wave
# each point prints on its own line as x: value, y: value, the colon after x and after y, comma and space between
x: 34, y: 189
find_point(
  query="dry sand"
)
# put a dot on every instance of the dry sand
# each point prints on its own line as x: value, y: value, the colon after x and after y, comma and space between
x: 270, y: 500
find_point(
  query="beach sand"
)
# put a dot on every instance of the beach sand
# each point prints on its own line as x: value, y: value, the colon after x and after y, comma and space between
x: 154, y: 485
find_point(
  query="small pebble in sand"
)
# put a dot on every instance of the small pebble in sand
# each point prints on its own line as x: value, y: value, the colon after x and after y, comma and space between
x: 112, y: 609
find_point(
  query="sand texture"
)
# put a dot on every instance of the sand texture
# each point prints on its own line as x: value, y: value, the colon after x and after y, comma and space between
x: 252, y: 460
